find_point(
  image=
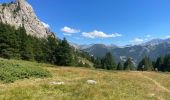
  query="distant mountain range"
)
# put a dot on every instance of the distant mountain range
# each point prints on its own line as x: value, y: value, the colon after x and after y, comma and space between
x: 153, y: 49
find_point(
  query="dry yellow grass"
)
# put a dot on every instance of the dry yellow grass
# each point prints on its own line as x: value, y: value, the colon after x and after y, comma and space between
x: 111, y: 85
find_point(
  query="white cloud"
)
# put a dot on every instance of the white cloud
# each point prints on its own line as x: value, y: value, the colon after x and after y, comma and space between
x: 69, y: 30
x: 148, y: 36
x: 46, y: 25
x: 99, y: 34
x: 137, y: 41
x: 167, y: 37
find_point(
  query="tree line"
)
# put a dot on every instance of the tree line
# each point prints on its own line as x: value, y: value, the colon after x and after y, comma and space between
x: 146, y: 64
x: 16, y: 44
x: 108, y: 63
x: 161, y: 64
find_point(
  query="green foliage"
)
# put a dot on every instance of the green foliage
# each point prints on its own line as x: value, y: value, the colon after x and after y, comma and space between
x: 64, y: 54
x: 97, y: 63
x: 11, y: 71
x: 108, y: 62
x: 119, y: 66
x: 166, y: 63
x: 16, y: 44
x: 146, y: 63
x: 82, y: 59
x: 9, y: 44
x: 51, y: 49
x: 159, y: 63
x: 128, y: 65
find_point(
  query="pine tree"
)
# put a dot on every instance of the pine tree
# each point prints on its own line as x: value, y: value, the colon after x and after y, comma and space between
x: 26, y: 44
x: 28, y: 51
x: 146, y: 63
x: 38, y: 47
x: 119, y: 66
x: 159, y: 63
x: 15, y: 43
x: 128, y: 65
x: 108, y: 62
x: 51, y: 47
x: 166, y: 64
x: 64, y: 53
x: 9, y: 45
x: 97, y: 63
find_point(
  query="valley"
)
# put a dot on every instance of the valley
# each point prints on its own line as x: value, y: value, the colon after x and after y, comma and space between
x: 82, y: 52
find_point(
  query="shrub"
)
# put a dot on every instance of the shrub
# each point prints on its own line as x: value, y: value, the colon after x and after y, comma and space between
x: 12, y: 71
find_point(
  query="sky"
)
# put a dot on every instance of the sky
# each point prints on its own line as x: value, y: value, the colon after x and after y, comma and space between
x: 119, y: 22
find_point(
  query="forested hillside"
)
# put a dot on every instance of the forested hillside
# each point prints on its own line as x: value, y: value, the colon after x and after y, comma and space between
x: 16, y: 44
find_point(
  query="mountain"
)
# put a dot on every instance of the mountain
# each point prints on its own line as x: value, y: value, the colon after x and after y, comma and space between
x: 98, y: 50
x: 153, y: 49
x: 153, y: 42
x: 85, y: 46
x: 21, y: 14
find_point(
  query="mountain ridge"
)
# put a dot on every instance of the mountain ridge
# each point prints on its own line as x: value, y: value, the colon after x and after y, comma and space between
x: 153, y: 48
x: 21, y: 14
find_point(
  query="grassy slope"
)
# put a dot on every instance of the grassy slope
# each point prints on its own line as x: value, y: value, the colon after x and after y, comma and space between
x: 110, y: 85
x: 12, y: 70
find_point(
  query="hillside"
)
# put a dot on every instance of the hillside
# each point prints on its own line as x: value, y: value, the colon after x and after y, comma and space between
x: 111, y: 85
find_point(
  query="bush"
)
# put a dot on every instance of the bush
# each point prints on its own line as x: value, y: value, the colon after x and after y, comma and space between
x: 12, y: 71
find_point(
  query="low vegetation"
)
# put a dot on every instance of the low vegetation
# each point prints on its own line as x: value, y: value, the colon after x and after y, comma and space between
x: 70, y: 83
x: 12, y: 70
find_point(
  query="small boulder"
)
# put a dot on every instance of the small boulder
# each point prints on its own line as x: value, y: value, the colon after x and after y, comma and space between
x: 57, y: 83
x: 91, y: 82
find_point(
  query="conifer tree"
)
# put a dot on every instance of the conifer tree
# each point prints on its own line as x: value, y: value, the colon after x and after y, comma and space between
x: 51, y: 47
x: 108, y: 62
x: 119, y: 66
x: 166, y: 64
x: 159, y: 64
x: 97, y: 63
x: 9, y: 46
x: 15, y: 43
x: 146, y: 63
x: 129, y: 65
x: 64, y: 54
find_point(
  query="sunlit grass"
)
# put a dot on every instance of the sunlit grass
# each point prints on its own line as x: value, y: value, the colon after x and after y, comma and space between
x: 111, y: 85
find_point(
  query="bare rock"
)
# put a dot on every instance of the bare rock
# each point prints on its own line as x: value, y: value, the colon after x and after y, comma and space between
x: 91, y: 82
x: 57, y: 83
x: 21, y: 13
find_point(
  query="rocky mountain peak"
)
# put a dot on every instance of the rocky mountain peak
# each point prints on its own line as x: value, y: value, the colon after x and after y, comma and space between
x: 21, y: 13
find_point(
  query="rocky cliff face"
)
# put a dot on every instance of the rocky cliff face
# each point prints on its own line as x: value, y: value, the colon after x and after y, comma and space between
x: 20, y: 13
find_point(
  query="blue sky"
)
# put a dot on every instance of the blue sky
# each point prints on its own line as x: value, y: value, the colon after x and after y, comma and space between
x: 119, y: 22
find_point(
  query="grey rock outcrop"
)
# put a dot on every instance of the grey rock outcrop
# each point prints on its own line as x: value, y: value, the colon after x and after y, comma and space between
x: 21, y: 13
